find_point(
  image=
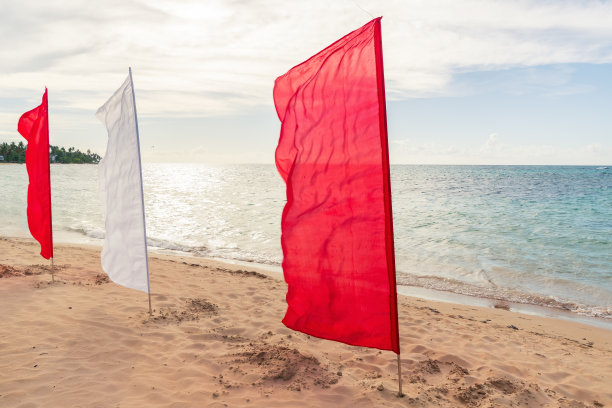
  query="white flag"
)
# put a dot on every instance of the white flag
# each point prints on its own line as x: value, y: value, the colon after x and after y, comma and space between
x: 124, y: 256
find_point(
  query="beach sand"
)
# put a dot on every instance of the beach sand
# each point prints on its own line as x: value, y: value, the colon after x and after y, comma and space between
x: 216, y: 340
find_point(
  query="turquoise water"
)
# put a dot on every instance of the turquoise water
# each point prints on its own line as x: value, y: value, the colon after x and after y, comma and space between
x: 530, y: 234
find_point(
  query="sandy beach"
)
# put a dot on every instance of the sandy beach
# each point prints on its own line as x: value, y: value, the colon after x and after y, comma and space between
x: 216, y: 340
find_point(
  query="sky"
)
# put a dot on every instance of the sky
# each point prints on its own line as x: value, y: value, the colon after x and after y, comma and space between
x: 467, y: 81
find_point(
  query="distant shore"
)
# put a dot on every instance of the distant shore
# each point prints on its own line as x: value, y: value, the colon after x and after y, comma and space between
x: 216, y: 338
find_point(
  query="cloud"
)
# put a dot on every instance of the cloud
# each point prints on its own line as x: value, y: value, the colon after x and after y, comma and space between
x: 491, y: 144
x: 8, y: 128
x: 217, y: 57
x: 494, y: 151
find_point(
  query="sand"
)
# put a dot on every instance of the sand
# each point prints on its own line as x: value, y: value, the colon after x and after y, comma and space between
x: 216, y: 340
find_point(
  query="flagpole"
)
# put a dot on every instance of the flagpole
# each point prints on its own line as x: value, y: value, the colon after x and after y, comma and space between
x: 49, y: 173
x: 399, y: 375
x: 390, y: 244
x: 141, y: 191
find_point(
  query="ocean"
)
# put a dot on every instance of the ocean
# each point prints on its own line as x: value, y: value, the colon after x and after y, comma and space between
x: 533, y: 235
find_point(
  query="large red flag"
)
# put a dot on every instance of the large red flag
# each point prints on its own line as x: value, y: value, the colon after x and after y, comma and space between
x: 34, y: 127
x: 337, y: 230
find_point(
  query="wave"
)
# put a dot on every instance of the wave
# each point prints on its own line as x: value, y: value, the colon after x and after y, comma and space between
x: 229, y: 251
x: 483, y: 287
x: 496, y: 293
x: 157, y: 243
x: 91, y: 233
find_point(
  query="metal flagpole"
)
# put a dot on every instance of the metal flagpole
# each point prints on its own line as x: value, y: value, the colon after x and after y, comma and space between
x: 389, y: 240
x: 141, y: 192
x: 49, y: 172
x: 399, y: 375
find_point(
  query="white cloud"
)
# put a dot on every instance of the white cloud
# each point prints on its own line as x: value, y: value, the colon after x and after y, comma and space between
x: 8, y: 128
x: 491, y: 144
x: 208, y: 58
x: 495, y: 151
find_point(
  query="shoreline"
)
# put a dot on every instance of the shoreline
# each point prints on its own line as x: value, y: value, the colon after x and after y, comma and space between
x: 422, y: 292
x: 520, y: 308
x: 216, y: 339
x: 436, y: 295
x: 450, y: 297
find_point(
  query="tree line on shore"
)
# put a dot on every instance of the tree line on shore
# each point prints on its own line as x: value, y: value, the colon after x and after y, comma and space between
x: 15, y: 153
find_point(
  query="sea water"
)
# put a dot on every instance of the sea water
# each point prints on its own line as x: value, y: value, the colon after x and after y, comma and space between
x: 538, y: 235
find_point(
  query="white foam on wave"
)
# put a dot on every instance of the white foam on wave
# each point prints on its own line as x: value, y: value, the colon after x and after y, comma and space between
x: 500, y: 294
x: 91, y: 233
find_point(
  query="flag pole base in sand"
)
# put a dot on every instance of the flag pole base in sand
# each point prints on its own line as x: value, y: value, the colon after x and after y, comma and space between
x: 150, y: 310
x: 400, y: 394
x: 52, y: 271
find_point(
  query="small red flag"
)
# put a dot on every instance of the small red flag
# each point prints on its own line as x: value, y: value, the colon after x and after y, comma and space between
x: 34, y: 127
x: 337, y: 229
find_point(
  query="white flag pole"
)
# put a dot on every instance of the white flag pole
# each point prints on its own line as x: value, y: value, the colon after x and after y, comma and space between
x: 141, y: 192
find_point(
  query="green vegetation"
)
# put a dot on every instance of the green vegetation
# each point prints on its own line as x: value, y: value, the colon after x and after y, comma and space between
x: 15, y: 153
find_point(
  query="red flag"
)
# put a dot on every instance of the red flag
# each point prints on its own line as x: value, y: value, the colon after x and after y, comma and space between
x: 34, y: 127
x: 337, y: 229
